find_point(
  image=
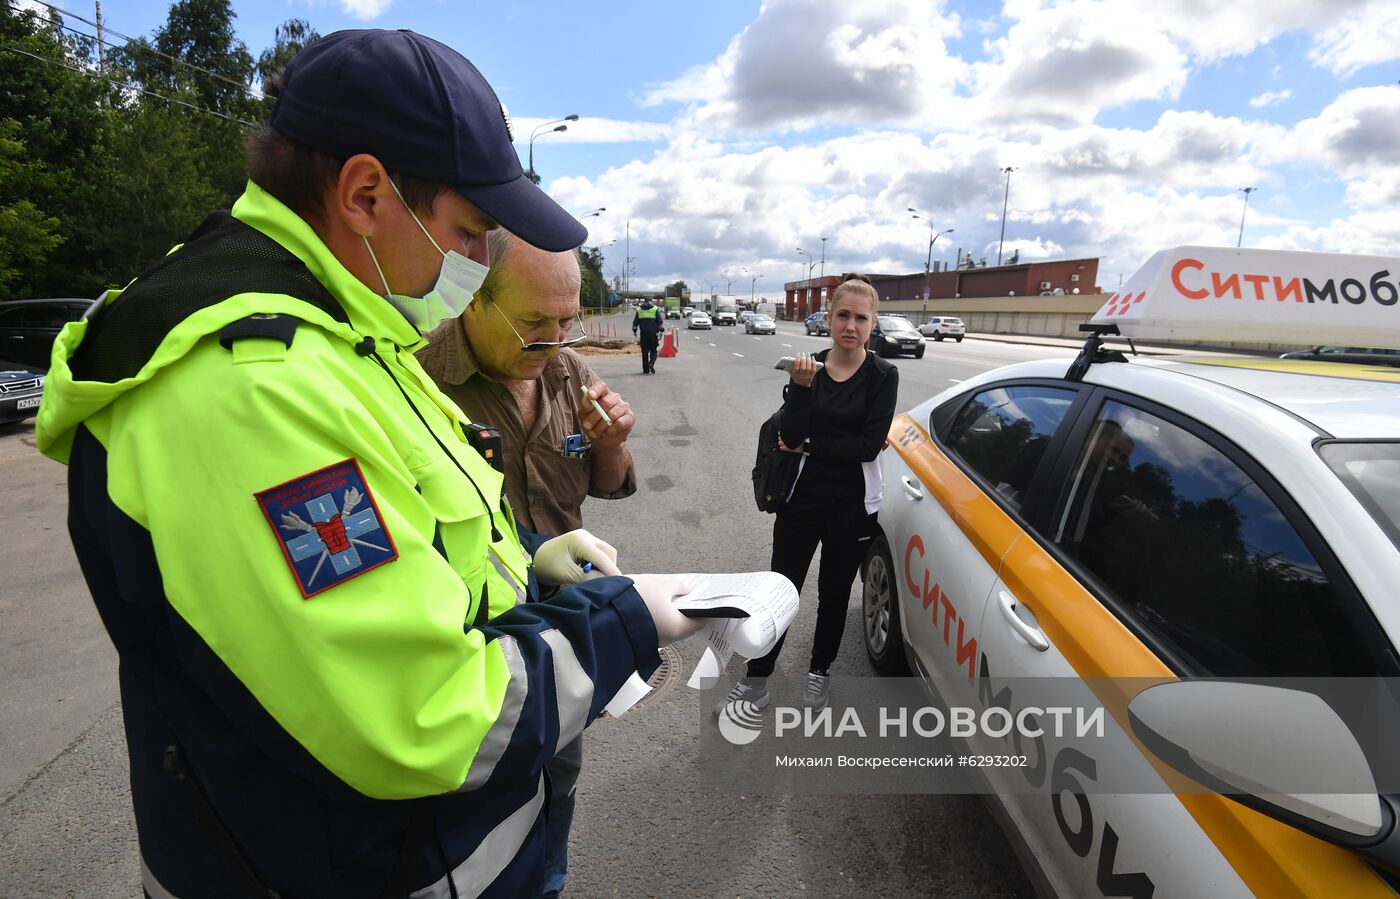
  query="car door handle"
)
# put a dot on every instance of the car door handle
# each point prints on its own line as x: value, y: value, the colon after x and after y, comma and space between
x: 1032, y: 635
x: 911, y: 488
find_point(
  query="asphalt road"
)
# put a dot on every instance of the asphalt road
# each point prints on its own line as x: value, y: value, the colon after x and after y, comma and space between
x: 645, y: 825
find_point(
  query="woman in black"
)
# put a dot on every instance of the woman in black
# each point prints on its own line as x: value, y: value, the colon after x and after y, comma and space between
x: 838, y: 416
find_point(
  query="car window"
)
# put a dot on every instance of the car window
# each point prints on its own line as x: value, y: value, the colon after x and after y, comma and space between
x: 11, y: 318
x: 1003, y: 433
x: 1371, y: 471
x: 1197, y: 552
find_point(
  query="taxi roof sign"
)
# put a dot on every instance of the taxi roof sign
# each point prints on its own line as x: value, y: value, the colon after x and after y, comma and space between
x: 1268, y: 296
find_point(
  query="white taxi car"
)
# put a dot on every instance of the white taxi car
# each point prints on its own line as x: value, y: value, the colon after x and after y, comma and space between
x: 1125, y: 517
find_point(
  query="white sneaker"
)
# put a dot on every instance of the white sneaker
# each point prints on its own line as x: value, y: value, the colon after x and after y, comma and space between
x: 753, y: 690
x: 818, y: 691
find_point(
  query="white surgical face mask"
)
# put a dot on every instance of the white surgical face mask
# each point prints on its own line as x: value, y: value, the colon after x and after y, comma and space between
x: 457, y: 283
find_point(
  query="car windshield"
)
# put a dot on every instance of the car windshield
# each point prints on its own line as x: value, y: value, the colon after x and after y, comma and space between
x: 895, y: 323
x: 760, y: 319
x: 1371, y: 471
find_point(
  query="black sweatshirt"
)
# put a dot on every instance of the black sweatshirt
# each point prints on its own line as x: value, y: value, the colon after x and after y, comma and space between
x: 846, y: 423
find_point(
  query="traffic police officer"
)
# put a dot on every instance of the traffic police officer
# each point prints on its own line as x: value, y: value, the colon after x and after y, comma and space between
x: 648, y: 320
x: 310, y: 575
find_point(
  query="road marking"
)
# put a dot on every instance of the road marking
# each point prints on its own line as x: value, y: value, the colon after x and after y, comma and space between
x: 788, y: 345
x: 956, y: 380
x: 714, y: 344
x: 740, y: 355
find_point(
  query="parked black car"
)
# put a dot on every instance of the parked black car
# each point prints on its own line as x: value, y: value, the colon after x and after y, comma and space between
x: 28, y: 328
x: 895, y: 335
x: 20, y: 389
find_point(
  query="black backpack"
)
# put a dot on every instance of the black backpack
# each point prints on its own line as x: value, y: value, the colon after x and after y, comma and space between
x: 774, y: 471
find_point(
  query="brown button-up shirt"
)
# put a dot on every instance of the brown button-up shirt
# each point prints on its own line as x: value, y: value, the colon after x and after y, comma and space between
x: 545, y: 487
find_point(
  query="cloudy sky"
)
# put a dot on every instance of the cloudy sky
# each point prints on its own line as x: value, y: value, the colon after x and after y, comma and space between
x: 722, y: 136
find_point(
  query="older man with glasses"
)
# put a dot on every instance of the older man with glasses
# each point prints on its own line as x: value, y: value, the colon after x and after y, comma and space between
x: 506, y: 362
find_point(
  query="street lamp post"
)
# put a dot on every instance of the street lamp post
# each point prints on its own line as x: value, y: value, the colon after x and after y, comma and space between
x: 572, y: 117
x: 810, y: 263
x: 824, y: 240
x: 1007, y: 196
x: 753, y: 284
x: 583, y: 215
x: 1246, y: 191
x: 928, y: 259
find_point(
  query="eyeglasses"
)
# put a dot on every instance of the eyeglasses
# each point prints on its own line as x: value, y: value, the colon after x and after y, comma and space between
x: 540, y: 346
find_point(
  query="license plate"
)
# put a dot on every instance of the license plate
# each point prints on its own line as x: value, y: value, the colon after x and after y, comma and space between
x: 28, y: 402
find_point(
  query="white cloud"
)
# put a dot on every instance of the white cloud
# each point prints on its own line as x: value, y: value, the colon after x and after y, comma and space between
x: 1356, y: 133
x: 807, y: 62
x: 365, y: 9
x: 1270, y: 98
x: 1066, y: 63
x: 1363, y: 37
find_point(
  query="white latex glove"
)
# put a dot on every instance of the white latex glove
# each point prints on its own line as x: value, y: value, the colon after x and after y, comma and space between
x: 657, y: 591
x: 560, y: 560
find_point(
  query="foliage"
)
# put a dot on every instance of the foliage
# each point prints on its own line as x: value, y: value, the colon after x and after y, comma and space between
x: 291, y: 38
x: 676, y: 289
x: 105, y: 163
x: 593, y: 290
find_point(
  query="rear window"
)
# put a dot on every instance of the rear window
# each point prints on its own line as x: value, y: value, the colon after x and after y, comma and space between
x: 1371, y: 471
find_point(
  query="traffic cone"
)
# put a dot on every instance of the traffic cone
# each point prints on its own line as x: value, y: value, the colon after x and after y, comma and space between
x: 668, y: 345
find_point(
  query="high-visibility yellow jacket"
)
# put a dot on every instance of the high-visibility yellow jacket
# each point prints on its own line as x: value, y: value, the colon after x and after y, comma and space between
x: 312, y: 579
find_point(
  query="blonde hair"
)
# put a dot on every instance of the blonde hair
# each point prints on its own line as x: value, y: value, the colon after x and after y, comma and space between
x: 858, y: 284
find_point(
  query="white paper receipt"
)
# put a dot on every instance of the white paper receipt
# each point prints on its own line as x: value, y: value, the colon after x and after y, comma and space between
x: 752, y: 611
x: 770, y: 601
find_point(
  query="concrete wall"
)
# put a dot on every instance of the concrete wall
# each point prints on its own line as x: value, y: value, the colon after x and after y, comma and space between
x: 1039, y: 316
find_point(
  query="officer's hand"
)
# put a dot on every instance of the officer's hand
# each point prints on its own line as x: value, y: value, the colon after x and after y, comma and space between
x: 657, y: 591
x: 804, y: 370
x: 560, y: 560
x: 600, y: 434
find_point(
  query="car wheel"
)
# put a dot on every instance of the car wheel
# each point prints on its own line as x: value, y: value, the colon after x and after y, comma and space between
x: 938, y: 336
x: 919, y: 353
x: 958, y: 339
x: 880, y: 611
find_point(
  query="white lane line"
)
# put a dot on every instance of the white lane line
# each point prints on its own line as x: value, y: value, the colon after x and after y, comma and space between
x: 740, y: 355
x: 714, y: 344
x: 788, y: 345
x: 956, y: 380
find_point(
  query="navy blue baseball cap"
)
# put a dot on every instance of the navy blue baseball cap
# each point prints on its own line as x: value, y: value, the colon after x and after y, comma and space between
x: 422, y: 109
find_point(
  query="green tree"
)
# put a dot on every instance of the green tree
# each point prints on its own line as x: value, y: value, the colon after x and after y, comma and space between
x: 593, y: 289
x: 291, y: 38
x: 55, y: 164
x: 676, y: 289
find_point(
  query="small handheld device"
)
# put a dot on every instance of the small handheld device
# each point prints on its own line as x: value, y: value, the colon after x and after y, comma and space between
x: 575, y: 448
x: 607, y: 422
x: 786, y: 363
x: 487, y: 441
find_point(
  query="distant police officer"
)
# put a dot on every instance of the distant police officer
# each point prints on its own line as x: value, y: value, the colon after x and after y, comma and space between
x: 310, y: 576
x: 647, y: 319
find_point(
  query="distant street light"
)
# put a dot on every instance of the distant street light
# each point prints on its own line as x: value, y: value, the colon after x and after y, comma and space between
x: 928, y: 259
x: 824, y: 240
x: 1008, y: 170
x: 583, y: 215
x: 810, y: 263
x: 573, y: 117
x: 1246, y: 191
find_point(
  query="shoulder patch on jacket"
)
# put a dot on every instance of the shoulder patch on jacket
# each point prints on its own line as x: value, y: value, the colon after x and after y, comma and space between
x: 328, y: 526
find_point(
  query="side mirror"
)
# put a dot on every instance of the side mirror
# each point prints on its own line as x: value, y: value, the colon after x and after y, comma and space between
x: 1282, y: 752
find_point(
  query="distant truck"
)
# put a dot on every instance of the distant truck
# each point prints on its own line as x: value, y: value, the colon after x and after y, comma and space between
x: 768, y: 309
x: 726, y: 315
x: 673, y: 307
